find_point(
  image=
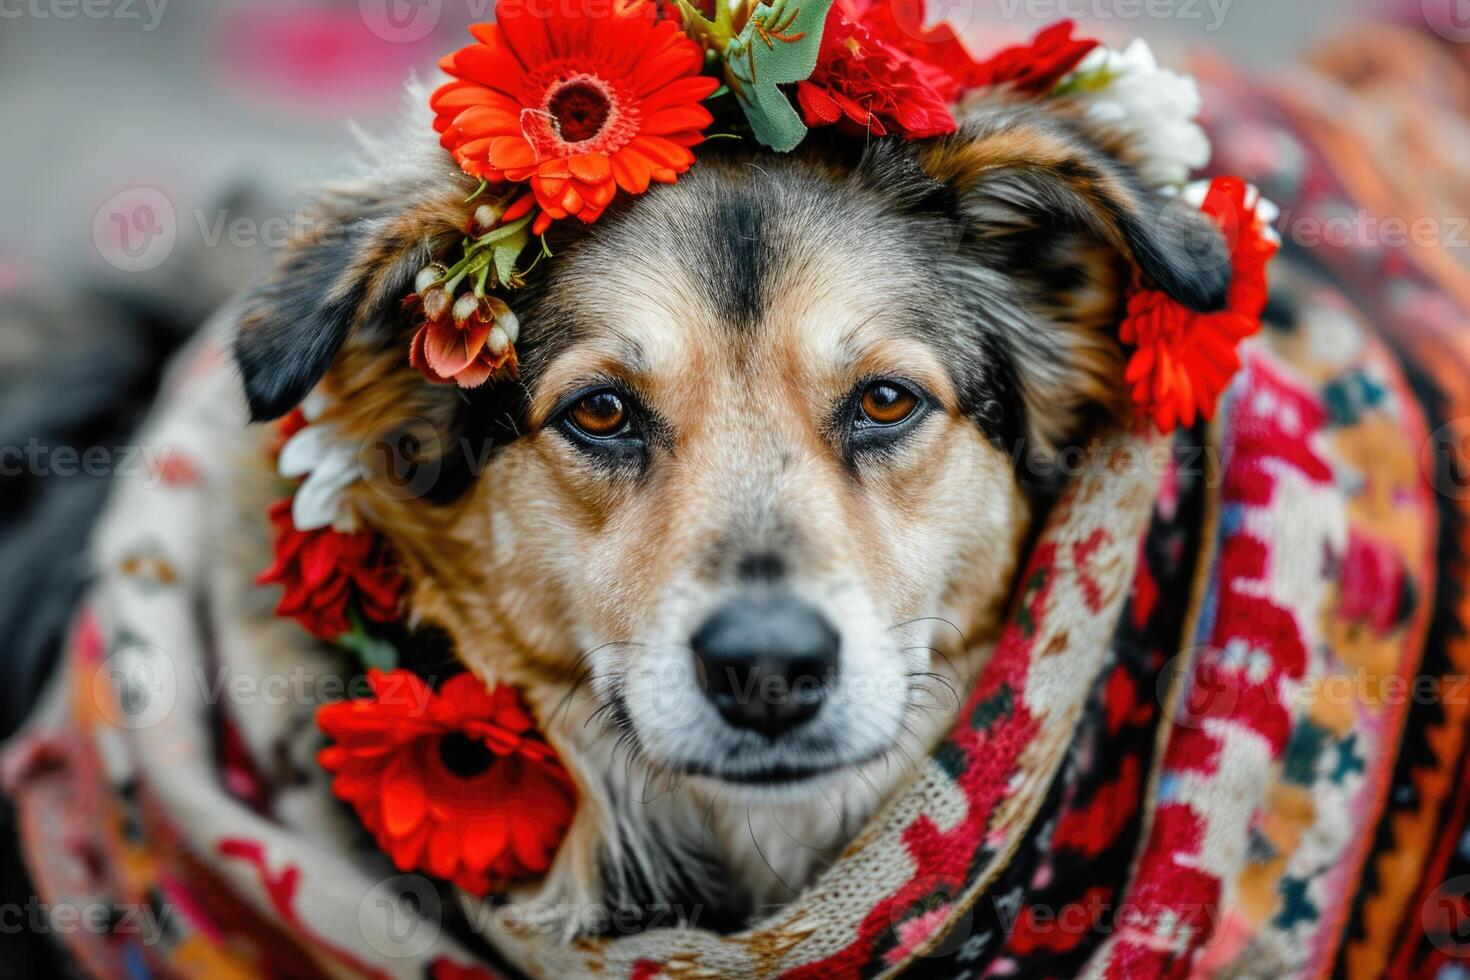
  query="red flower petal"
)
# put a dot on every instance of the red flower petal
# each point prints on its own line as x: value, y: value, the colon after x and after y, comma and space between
x: 1037, y: 66
x: 590, y: 168
x: 478, y: 829
x: 404, y: 802
x: 419, y: 359
x: 621, y: 74
x: 324, y: 572
x: 444, y: 851
x: 880, y: 78
x: 632, y: 170
x: 485, y: 842
x: 819, y: 108
x: 477, y: 373
x: 449, y: 350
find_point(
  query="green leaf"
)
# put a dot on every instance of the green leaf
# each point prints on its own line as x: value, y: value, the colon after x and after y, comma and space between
x: 778, y: 47
x: 504, y: 255
x: 374, y: 653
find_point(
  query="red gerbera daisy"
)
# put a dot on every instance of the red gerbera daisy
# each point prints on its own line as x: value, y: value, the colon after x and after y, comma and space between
x: 1184, y: 359
x: 455, y: 783
x: 575, y: 105
x: 326, y: 573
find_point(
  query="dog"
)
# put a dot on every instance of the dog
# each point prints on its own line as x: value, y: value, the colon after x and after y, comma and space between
x: 744, y: 529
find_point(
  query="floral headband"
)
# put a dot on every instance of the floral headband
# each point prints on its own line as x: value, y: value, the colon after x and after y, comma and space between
x: 560, y: 113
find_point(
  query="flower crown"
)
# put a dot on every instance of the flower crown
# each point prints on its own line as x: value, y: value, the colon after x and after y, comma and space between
x: 560, y: 113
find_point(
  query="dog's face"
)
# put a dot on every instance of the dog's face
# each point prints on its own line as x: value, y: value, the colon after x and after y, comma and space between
x: 748, y: 478
x: 758, y: 496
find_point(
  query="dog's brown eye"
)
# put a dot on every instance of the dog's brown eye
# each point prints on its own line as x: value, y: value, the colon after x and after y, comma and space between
x: 600, y: 414
x: 888, y: 404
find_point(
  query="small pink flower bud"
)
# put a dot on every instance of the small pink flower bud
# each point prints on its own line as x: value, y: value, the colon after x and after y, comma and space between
x: 487, y: 217
x: 466, y: 309
x: 505, y: 319
x: 436, y: 304
x: 427, y: 276
x: 511, y: 324
x: 498, y: 342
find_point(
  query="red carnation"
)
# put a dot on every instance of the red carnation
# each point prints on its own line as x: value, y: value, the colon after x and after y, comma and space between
x: 938, y: 50
x: 1037, y: 66
x: 867, y: 83
x: 456, y: 783
x: 326, y: 572
x: 1184, y: 359
x: 880, y: 70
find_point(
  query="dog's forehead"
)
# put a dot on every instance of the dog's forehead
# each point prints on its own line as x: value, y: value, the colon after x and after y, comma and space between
x: 733, y: 264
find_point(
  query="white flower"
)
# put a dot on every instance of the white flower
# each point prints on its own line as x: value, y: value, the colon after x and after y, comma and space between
x: 1267, y: 213
x: 1153, y: 108
x: 327, y: 464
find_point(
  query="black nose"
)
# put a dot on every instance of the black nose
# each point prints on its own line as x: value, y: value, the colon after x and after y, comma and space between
x: 765, y: 660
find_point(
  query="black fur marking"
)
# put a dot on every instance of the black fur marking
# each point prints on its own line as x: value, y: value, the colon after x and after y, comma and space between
x: 736, y: 254
x: 761, y: 567
x: 292, y: 335
x: 428, y: 651
x: 990, y: 394
x: 1062, y: 278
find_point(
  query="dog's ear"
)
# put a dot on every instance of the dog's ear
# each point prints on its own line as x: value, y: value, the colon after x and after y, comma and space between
x: 1018, y: 170
x: 1052, y: 231
x: 345, y: 273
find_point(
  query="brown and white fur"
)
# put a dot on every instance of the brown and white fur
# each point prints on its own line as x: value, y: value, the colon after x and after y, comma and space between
x: 739, y: 315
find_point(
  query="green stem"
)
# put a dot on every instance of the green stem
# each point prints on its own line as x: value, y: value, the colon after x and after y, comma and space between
x: 501, y: 233
x: 456, y: 271
x: 472, y: 265
x: 478, y: 191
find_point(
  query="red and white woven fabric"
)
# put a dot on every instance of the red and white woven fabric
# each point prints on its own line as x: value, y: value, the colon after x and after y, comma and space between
x: 1067, y: 784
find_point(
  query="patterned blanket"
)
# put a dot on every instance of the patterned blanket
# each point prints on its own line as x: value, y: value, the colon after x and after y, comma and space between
x: 1224, y: 731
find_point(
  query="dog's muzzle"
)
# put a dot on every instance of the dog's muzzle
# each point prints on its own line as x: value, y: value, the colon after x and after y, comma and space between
x: 765, y: 660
